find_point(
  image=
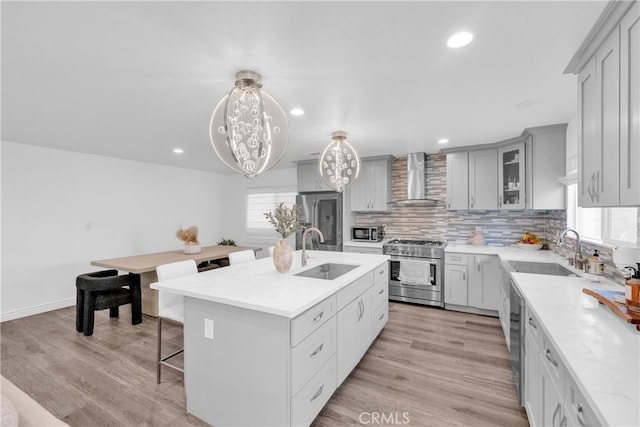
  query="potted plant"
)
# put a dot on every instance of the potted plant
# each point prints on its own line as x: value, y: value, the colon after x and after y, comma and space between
x: 190, y: 239
x: 286, y: 221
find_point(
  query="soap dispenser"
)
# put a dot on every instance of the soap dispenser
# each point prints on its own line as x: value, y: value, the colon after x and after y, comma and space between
x: 596, y: 266
x: 632, y: 287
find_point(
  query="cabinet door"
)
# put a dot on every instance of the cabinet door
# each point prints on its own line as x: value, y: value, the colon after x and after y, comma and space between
x: 511, y: 176
x: 551, y: 409
x: 532, y: 374
x: 483, y: 180
x: 380, y: 184
x: 607, y: 178
x: 484, y: 282
x: 360, y: 198
x: 630, y: 107
x: 455, y: 284
x: 355, y: 328
x: 309, y: 178
x: 588, y: 139
x: 458, y: 181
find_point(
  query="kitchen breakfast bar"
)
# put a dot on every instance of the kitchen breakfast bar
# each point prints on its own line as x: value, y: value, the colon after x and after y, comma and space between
x: 269, y: 348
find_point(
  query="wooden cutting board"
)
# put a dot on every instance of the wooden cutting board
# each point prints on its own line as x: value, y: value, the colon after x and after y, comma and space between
x: 622, y: 310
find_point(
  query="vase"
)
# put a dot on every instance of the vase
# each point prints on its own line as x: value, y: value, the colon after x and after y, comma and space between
x: 192, y: 249
x: 282, y: 256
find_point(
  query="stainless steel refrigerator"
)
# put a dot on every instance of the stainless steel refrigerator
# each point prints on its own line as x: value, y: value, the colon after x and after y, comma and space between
x: 322, y: 210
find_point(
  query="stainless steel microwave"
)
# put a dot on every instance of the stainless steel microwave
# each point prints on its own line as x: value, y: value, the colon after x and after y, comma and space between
x: 367, y: 234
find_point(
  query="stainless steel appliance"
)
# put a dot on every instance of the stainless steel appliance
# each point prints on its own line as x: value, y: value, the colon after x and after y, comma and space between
x: 416, y: 271
x: 516, y: 339
x: 322, y: 210
x: 367, y: 234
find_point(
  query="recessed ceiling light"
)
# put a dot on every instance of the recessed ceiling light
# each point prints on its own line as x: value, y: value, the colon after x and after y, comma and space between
x: 443, y: 141
x: 296, y: 111
x: 178, y: 150
x: 460, y: 39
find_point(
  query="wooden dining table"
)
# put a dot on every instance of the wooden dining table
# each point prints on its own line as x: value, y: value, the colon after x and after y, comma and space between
x: 145, y: 266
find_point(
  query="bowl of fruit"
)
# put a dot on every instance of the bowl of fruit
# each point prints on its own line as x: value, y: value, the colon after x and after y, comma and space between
x: 530, y: 241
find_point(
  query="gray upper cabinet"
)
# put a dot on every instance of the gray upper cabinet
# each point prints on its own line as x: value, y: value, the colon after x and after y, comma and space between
x: 371, y: 192
x: 519, y: 173
x: 607, y: 65
x: 309, y: 178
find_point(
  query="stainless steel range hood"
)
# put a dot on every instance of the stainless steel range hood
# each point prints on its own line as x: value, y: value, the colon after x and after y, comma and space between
x: 416, y: 178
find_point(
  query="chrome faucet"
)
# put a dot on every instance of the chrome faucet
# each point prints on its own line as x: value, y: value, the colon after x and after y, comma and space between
x: 579, y: 261
x: 304, y: 246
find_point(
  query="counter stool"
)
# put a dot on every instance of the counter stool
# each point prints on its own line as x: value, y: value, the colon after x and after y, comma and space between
x: 105, y: 289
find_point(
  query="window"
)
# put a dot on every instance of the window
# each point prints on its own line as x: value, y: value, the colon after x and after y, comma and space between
x: 602, y: 225
x: 261, y: 200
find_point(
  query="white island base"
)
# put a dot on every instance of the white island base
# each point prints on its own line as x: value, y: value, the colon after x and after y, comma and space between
x: 269, y: 349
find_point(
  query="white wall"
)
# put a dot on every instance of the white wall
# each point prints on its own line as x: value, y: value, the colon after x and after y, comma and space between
x: 235, y: 195
x: 61, y: 210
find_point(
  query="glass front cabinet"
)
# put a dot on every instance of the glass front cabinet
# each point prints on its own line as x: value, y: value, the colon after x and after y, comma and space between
x: 511, y: 176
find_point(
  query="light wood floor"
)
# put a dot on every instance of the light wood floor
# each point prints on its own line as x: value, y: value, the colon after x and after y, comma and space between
x: 428, y: 367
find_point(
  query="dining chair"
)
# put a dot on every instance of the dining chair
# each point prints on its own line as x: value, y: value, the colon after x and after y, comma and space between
x: 171, y: 307
x: 241, y: 256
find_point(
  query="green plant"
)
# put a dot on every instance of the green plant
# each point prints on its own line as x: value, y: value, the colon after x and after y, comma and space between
x: 285, y: 220
x: 227, y: 242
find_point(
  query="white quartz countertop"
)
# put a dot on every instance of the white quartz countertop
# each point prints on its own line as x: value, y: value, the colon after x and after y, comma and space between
x: 599, y: 349
x: 507, y: 253
x: 256, y: 285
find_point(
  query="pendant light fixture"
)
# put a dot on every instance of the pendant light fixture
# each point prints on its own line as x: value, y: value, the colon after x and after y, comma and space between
x: 339, y: 163
x: 249, y: 130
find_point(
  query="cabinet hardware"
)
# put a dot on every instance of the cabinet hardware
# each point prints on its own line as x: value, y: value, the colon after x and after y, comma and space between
x: 500, y: 201
x: 533, y: 325
x: 597, y: 189
x: 477, y: 262
x: 550, y: 359
x: 555, y: 414
x: 381, y: 291
x: 580, y: 416
x: 317, y: 394
x: 381, y: 316
x: 471, y: 201
x: 464, y: 274
x: 381, y: 272
x: 318, y: 317
x: 317, y: 350
x: 563, y: 423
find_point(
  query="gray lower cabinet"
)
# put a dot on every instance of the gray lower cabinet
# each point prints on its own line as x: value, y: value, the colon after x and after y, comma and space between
x: 472, y: 283
x: 269, y: 370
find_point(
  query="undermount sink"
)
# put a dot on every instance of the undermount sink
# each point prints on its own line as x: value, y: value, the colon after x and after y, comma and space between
x: 328, y: 271
x: 552, y: 269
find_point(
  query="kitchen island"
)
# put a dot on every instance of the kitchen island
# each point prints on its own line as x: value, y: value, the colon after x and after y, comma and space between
x: 267, y: 348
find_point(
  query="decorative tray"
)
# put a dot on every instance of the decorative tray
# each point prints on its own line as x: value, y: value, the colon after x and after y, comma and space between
x: 626, y: 313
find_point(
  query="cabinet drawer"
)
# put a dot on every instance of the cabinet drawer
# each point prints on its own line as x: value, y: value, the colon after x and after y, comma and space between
x: 455, y: 259
x: 353, y: 290
x: 306, y: 405
x: 380, y: 293
x: 380, y: 317
x: 577, y: 410
x: 381, y: 272
x: 312, y: 319
x: 311, y: 354
x: 552, y: 363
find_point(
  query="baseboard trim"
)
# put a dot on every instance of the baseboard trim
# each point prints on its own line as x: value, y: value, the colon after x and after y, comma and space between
x: 36, y: 309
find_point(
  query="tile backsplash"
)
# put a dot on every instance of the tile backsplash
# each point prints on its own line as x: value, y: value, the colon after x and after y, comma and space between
x: 500, y: 228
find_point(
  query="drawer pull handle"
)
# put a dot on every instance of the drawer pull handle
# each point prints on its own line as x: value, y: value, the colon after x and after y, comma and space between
x: 318, y: 393
x: 533, y: 325
x: 381, y: 272
x: 318, y: 317
x: 563, y: 423
x: 580, y: 416
x: 550, y: 359
x: 381, y: 316
x: 381, y: 291
x: 317, y: 350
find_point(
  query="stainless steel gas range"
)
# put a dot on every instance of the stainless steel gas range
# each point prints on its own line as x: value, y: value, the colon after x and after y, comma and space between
x: 416, y: 270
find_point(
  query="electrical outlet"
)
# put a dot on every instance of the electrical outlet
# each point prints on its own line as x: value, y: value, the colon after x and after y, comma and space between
x: 478, y: 228
x: 208, y: 328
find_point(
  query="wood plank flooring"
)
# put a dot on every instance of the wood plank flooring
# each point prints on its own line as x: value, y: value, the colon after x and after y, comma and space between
x: 429, y: 367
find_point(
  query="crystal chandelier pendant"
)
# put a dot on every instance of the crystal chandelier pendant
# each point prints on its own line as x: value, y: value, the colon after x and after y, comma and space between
x: 339, y: 163
x: 249, y: 130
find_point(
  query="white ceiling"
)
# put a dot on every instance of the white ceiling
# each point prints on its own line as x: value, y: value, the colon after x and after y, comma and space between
x: 136, y: 79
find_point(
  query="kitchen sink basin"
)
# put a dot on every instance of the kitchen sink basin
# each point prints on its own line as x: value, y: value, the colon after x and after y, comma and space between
x: 549, y: 268
x: 328, y: 271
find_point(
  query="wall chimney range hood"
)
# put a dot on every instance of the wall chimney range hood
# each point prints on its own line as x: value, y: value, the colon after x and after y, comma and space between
x: 416, y: 175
